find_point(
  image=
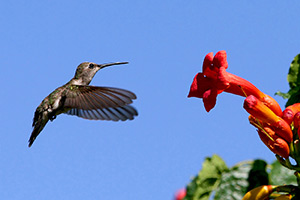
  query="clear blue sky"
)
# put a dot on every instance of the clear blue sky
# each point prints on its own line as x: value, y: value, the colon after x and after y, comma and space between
x: 42, y: 42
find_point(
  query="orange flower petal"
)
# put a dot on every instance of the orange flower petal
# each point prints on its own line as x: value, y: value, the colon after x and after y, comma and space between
x: 207, y: 68
x: 220, y: 59
x: 210, y: 99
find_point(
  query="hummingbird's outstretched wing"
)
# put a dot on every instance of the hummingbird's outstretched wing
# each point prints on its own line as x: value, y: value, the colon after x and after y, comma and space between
x: 100, y: 103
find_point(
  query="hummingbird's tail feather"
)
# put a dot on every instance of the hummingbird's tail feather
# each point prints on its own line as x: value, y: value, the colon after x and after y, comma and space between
x: 39, y: 124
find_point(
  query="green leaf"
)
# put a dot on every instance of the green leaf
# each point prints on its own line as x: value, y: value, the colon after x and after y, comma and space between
x: 234, y: 183
x: 283, y: 95
x: 240, y: 179
x: 294, y: 82
x: 280, y: 175
x: 258, y: 175
x: 294, y: 96
x: 207, y: 180
x: 294, y: 76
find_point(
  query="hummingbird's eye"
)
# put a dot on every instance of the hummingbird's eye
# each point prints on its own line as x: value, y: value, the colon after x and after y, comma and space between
x: 91, y: 66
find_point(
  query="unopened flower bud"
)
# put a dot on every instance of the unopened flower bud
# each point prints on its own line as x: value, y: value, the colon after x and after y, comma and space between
x: 297, y: 120
x: 276, y: 144
x: 290, y: 111
x: 259, y: 193
x: 260, y: 111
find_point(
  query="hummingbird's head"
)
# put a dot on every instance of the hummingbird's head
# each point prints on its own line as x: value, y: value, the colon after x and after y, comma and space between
x: 87, y: 70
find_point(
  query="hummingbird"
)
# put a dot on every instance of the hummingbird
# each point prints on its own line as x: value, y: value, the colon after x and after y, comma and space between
x: 78, y: 98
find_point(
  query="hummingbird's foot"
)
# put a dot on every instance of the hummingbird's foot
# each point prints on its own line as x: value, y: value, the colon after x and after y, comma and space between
x: 52, y: 117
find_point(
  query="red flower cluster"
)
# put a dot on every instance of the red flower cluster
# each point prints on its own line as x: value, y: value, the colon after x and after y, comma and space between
x: 180, y: 194
x: 265, y: 113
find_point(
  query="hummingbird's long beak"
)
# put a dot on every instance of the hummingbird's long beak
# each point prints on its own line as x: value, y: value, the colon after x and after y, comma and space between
x: 110, y: 64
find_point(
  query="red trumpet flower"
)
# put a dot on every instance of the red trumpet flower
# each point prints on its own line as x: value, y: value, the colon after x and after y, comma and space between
x: 214, y: 80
